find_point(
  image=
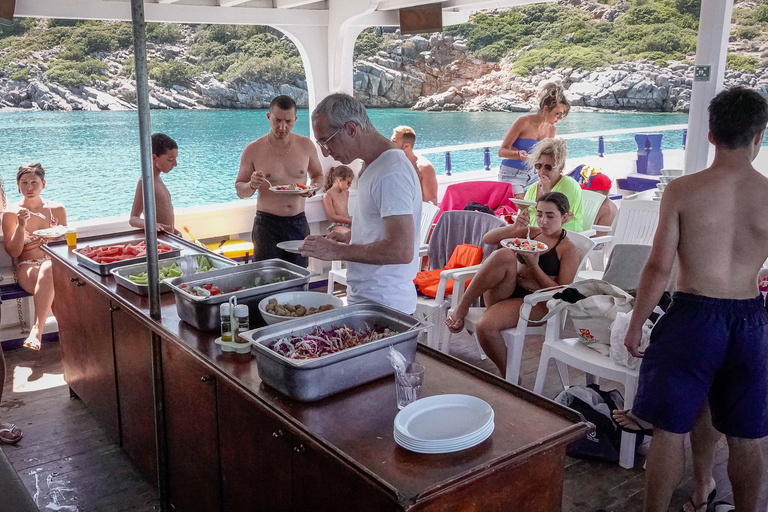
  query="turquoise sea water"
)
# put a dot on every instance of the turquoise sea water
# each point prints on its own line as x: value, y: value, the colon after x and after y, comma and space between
x: 92, y: 158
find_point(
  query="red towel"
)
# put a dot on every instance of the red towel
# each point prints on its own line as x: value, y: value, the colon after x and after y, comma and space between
x: 495, y: 194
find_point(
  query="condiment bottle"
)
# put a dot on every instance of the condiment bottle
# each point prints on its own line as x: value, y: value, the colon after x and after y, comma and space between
x: 241, y: 322
x: 226, y: 322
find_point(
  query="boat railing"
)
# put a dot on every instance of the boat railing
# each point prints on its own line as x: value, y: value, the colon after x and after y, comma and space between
x: 600, y: 135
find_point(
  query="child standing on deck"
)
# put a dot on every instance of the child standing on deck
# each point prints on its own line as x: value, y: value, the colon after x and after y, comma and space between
x: 165, y: 151
x: 337, y: 184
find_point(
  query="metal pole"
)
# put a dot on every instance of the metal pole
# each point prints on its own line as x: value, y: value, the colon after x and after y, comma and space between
x: 150, y: 232
x: 487, y: 158
x: 600, y: 146
x: 447, y: 163
x: 685, y: 136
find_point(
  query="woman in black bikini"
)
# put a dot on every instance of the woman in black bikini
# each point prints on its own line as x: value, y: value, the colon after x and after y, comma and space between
x: 33, y: 266
x: 507, y: 276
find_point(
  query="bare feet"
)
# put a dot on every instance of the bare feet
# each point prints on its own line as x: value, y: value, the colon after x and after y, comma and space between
x: 33, y: 341
x: 9, y: 434
x: 455, y: 322
x: 631, y: 423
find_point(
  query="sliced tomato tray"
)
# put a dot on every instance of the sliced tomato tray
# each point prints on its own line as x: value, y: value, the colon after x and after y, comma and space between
x: 101, y: 259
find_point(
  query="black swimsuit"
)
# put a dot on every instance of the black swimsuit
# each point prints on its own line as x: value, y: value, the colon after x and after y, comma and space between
x: 548, y: 262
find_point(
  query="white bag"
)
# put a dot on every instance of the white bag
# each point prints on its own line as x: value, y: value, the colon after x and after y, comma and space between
x: 592, y: 317
x: 619, y: 353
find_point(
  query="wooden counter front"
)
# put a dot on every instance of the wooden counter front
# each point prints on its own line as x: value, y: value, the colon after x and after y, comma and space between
x: 236, y: 444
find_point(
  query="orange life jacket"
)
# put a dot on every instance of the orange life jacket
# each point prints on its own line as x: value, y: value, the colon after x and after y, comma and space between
x: 465, y: 255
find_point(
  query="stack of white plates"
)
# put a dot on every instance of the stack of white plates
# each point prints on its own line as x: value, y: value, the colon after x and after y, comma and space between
x: 443, y: 424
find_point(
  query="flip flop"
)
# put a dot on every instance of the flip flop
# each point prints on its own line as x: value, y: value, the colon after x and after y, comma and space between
x: 7, y: 437
x: 722, y: 506
x: 706, y: 504
x: 631, y: 417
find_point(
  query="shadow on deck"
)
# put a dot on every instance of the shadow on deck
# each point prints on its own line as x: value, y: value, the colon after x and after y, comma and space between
x: 68, y: 464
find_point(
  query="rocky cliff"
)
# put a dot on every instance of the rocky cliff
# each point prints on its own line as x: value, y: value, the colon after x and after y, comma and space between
x: 433, y: 73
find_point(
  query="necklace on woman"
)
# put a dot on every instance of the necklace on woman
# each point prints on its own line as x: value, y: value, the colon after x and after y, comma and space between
x: 290, y: 144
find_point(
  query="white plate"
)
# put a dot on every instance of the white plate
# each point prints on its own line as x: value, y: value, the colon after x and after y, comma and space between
x: 291, y: 246
x: 52, y: 232
x: 520, y: 202
x: 294, y: 191
x: 443, y: 418
x: 482, y: 436
x: 406, y: 442
x: 509, y: 244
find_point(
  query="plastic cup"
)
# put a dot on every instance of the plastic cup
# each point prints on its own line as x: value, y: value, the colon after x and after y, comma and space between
x: 408, y: 386
x: 71, y: 235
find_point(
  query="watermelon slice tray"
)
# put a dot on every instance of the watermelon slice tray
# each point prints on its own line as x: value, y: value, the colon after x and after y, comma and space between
x: 104, y: 268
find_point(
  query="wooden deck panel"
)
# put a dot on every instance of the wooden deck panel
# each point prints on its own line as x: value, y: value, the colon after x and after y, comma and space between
x: 68, y: 463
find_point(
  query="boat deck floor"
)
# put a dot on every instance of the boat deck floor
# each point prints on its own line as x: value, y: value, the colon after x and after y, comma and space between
x: 67, y: 463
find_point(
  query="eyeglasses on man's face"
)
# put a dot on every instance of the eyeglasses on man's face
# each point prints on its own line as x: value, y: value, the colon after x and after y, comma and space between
x: 324, y: 143
x: 547, y: 167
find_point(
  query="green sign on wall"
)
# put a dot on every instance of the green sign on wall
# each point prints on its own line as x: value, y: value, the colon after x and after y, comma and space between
x: 702, y: 73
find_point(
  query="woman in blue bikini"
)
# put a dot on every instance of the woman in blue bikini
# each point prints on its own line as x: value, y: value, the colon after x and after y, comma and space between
x: 33, y: 266
x: 525, y: 132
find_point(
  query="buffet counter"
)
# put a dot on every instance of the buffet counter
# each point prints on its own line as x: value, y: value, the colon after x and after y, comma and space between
x: 235, y: 444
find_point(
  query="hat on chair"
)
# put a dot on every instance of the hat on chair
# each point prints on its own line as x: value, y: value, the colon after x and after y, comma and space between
x: 598, y: 182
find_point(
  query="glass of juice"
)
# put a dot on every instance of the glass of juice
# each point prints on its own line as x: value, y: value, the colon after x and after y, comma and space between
x: 71, y: 235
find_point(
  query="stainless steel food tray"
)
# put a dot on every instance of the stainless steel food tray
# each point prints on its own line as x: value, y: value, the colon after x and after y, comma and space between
x: 203, y: 312
x: 104, y: 268
x: 306, y: 381
x: 121, y: 273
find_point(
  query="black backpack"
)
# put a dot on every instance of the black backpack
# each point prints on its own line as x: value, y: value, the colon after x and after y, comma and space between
x: 604, y: 442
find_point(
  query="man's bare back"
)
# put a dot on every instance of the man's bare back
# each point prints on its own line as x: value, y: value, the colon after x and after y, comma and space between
x: 723, y: 239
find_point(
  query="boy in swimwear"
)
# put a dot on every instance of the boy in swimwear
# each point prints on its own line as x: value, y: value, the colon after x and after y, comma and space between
x: 706, y: 367
x: 165, y: 151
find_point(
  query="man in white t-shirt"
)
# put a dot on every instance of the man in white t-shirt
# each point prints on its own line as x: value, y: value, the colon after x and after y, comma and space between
x: 382, y: 249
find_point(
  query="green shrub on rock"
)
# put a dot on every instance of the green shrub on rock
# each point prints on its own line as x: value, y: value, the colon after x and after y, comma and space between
x: 75, y: 74
x: 742, y: 62
x: 168, y: 33
x: 170, y: 73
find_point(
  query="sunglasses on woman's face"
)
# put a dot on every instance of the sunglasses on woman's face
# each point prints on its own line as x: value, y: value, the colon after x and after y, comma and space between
x: 560, y: 115
x: 547, y: 167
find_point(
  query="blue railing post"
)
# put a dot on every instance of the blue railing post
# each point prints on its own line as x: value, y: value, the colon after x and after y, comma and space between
x: 447, y: 163
x: 685, y: 136
x: 600, y: 146
x: 487, y: 158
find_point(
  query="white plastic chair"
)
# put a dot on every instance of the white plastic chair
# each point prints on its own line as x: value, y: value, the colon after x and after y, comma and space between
x: 592, y: 201
x: 570, y: 352
x: 514, y: 338
x: 635, y: 223
x: 338, y: 273
x: 454, y: 227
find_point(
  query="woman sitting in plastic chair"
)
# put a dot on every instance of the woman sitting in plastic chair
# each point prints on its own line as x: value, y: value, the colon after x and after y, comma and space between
x: 33, y: 266
x: 507, y: 276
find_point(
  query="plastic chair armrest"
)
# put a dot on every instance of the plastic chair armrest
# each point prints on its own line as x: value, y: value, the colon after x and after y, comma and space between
x: 602, y: 239
x: 423, y: 250
x: 588, y: 232
x: 599, y: 228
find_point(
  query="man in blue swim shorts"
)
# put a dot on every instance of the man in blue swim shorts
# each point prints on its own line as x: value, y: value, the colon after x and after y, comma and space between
x: 705, y: 370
